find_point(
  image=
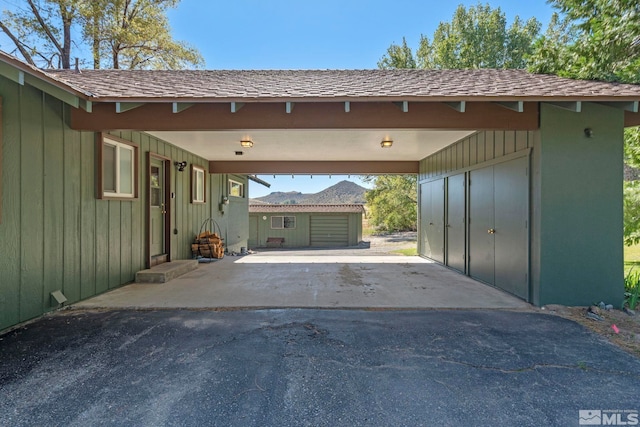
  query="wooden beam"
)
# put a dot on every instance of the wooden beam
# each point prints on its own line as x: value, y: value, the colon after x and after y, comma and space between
x: 179, y: 107
x: 460, y: 107
x: 404, y: 106
x: 236, y: 106
x: 123, y: 107
x: 309, y: 115
x: 631, y: 119
x: 289, y: 107
x: 313, y: 167
x: 574, y: 106
x: 86, y: 105
x: 517, y: 106
x: 631, y: 106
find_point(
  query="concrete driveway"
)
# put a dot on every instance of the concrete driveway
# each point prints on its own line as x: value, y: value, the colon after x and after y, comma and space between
x: 312, y: 368
x: 336, y: 278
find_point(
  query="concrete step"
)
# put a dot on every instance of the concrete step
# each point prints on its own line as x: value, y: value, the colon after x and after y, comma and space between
x: 164, y: 272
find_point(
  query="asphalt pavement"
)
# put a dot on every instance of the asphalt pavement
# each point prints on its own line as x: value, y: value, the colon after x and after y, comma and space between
x: 307, y: 367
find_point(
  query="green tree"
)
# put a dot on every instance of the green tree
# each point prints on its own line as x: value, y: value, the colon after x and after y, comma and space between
x: 397, y: 57
x: 120, y: 33
x: 393, y: 202
x: 135, y: 34
x: 597, y: 40
x: 477, y: 37
x: 41, y: 32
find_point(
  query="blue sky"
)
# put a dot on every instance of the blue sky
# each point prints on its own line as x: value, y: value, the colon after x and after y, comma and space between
x: 305, y: 34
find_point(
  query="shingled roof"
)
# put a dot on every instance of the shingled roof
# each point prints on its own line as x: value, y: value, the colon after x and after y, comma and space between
x: 435, y: 85
x: 261, y: 208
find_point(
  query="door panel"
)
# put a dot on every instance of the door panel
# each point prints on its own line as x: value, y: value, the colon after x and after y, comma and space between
x: 481, y: 222
x: 511, y: 236
x: 253, y: 232
x: 157, y: 209
x: 455, y: 227
x: 435, y: 220
x: 425, y: 218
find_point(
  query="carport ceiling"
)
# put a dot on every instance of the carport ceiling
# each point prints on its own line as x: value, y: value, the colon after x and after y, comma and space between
x: 313, y: 144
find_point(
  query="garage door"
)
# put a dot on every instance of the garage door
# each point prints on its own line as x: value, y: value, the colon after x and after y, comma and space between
x: 329, y: 230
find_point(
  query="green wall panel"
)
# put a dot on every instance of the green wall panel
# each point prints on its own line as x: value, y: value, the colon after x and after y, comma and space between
x: 55, y: 233
x: 53, y: 195
x: 31, y: 175
x: 10, y: 226
x: 72, y: 223
x: 88, y: 212
x: 578, y: 256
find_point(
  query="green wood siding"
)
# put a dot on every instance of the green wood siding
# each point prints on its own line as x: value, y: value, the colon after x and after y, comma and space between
x: 474, y: 150
x: 55, y: 233
x: 576, y: 248
x: 233, y: 220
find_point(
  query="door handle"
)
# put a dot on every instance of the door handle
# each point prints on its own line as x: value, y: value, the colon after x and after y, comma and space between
x: 491, y: 231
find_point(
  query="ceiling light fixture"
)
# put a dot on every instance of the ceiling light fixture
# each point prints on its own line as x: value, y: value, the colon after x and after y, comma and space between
x: 246, y: 143
x: 386, y: 143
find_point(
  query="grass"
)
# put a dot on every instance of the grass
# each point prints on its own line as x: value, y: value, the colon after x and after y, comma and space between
x: 632, y: 275
x: 407, y: 252
x: 631, y: 258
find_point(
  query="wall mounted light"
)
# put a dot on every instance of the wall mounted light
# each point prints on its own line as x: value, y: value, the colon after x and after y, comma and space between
x: 386, y: 143
x: 588, y: 132
x: 246, y: 143
x: 180, y: 165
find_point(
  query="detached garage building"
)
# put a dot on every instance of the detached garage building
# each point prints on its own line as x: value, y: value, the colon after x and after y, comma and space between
x: 305, y: 225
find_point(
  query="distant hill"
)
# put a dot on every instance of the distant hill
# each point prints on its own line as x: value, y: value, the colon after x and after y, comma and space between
x: 344, y: 192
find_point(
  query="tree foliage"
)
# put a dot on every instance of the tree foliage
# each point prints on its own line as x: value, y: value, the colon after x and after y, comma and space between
x: 393, y: 202
x: 477, y: 37
x: 398, y: 56
x: 597, y: 39
x: 41, y: 32
x: 119, y: 33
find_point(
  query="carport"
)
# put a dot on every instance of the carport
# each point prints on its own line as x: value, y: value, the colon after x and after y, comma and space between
x: 519, y: 173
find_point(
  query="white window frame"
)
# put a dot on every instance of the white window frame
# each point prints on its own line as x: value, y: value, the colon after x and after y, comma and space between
x: 237, y: 184
x: 284, y: 222
x: 118, y: 144
x: 198, y: 190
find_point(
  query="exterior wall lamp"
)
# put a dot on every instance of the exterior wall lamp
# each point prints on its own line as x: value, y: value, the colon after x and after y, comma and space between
x: 180, y: 165
x: 386, y: 143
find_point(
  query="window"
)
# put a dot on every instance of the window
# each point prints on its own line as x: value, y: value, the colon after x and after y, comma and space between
x: 236, y: 189
x: 198, y: 185
x: 280, y: 222
x: 118, y: 168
